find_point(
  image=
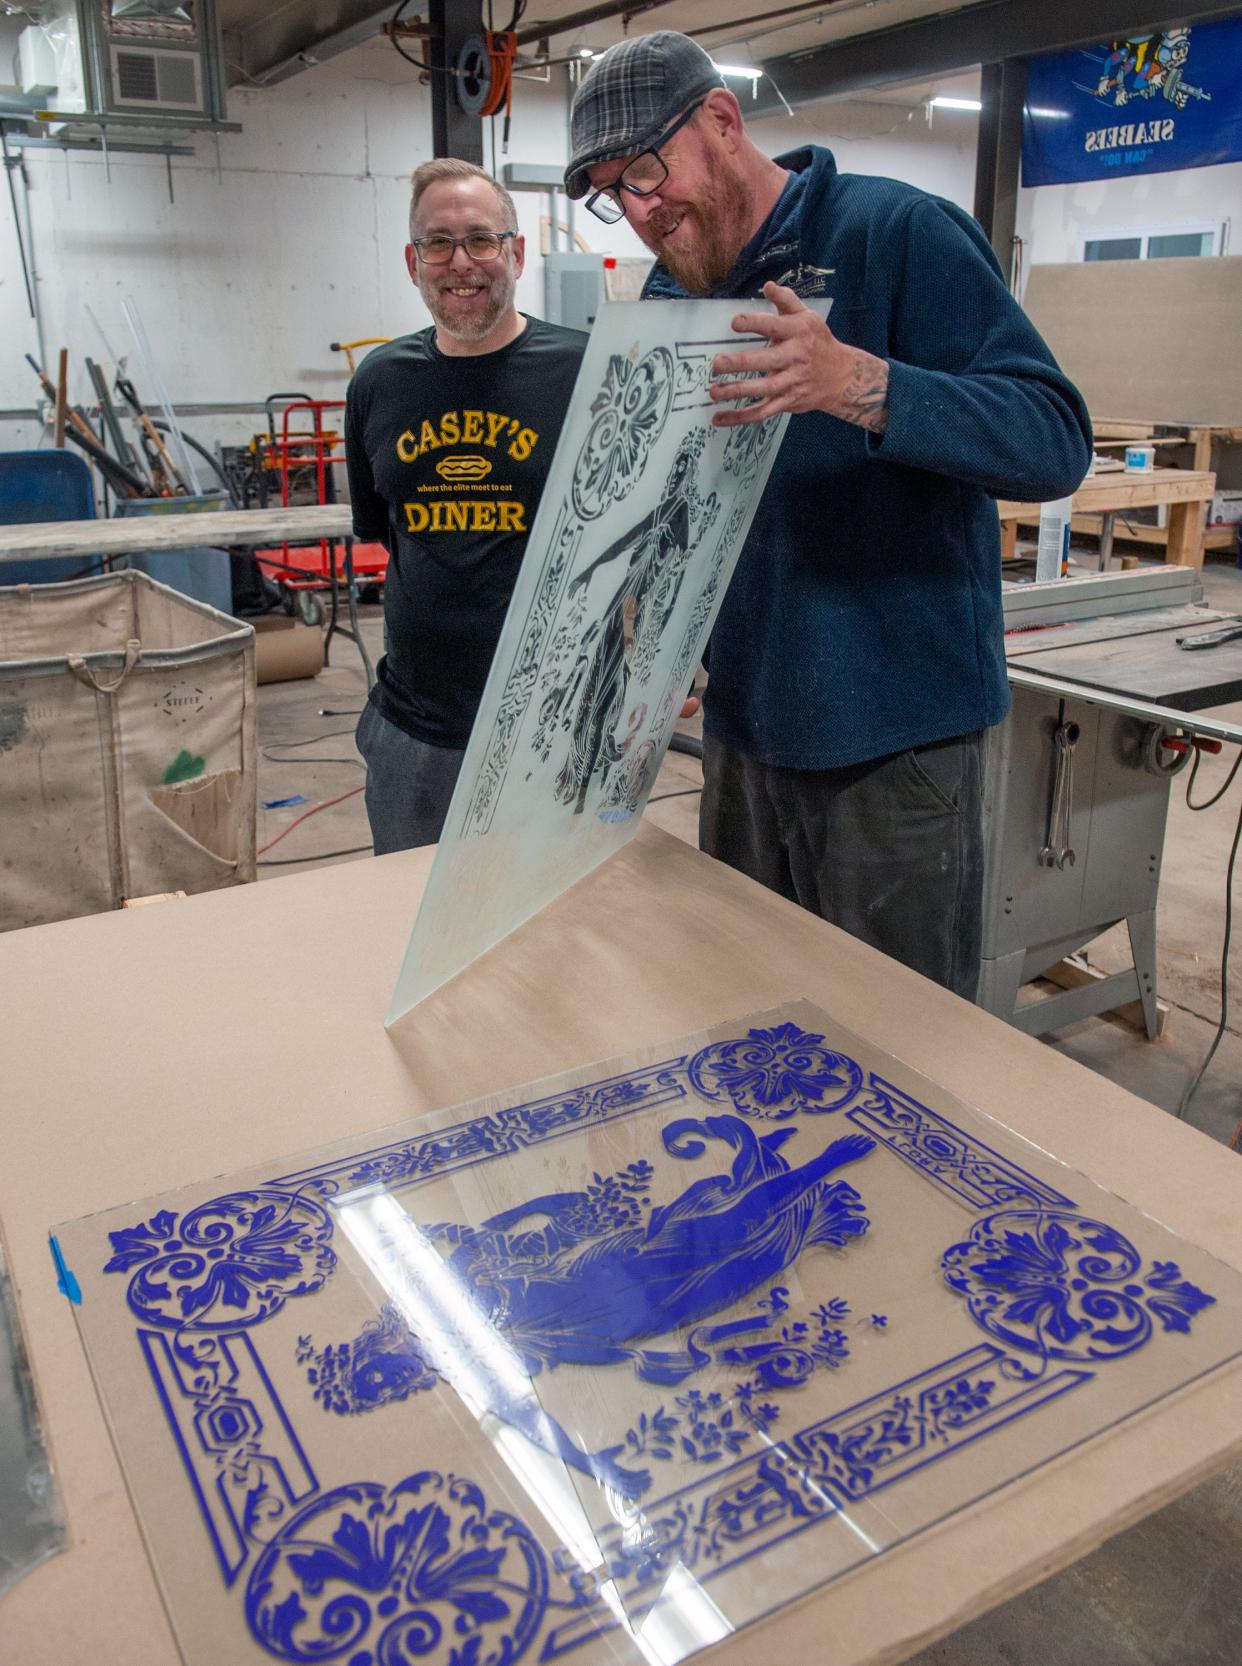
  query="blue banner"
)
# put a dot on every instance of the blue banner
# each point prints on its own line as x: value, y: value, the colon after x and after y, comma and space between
x: 1150, y: 104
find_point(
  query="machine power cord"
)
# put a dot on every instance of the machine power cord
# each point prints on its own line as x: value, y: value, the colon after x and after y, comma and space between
x: 684, y: 792
x: 1216, y: 797
x: 316, y: 856
x: 313, y: 811
x: 269, y: 752
x: 1192, y: 1087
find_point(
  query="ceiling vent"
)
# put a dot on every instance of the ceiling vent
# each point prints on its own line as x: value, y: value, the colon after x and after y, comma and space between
x: 140, y: 59
x: 162, y: 80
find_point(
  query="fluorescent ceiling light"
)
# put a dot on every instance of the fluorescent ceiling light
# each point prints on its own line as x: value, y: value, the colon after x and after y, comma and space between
x: 941, y: 102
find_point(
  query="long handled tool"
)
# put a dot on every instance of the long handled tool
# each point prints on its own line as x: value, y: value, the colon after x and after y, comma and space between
x: 62, y: 400
x: 111, y: 422
x: 82, y: 434
x: 118, y: 476
x: 129, y: 394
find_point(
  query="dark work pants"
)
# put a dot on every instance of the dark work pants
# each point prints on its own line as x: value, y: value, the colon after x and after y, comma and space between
x: 409, y: 783
x: 890, y: 850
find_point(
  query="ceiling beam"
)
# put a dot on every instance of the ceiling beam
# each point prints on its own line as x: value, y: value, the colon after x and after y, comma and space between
x: 984, y: 33
x: 301, y: 33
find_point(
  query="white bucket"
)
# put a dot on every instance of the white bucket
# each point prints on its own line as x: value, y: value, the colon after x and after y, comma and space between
x: 1140, y: 459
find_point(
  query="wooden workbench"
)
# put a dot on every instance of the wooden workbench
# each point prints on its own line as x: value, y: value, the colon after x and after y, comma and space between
x: 143, y: 1050
x: 1201, y: 436
x: 216, y: 528
x: 1185, y: 491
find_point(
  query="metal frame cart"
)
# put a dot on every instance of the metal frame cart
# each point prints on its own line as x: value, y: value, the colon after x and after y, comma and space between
x: 304, y: 569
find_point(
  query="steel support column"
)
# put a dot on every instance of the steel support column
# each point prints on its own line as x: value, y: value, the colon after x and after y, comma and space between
x: 453, y: 132
x: 998, y: 160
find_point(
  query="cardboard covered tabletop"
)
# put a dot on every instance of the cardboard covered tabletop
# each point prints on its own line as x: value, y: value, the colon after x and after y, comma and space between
x: 818, y: 1301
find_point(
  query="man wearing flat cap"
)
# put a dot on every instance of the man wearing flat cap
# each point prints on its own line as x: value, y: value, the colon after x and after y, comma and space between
x: 858, y: 656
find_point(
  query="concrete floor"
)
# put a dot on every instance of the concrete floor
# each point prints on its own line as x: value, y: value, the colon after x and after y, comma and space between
x: 1169, y: 1591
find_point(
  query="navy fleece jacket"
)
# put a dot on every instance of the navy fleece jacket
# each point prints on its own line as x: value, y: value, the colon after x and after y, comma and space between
x: 864, y: 616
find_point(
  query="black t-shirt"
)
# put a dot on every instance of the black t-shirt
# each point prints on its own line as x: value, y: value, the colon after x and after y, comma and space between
x: 448, y: 458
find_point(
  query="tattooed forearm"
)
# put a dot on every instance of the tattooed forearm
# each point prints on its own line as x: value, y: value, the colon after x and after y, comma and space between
x: 864, y: 398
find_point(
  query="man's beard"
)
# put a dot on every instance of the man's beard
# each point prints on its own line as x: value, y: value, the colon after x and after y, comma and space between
x: 719, y: 237
x: 500, y: 286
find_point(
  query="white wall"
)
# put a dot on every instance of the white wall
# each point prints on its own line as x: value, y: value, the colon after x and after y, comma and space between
x: 936, y: 154
x: 1055, y: 219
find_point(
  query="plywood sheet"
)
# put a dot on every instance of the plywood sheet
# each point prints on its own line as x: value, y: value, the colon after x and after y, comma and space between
x: 1157, y: 340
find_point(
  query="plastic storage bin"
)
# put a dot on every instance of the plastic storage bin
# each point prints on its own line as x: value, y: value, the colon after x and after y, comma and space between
x: 44, y: 486
x: 203, y: 572
x: 127, y: 747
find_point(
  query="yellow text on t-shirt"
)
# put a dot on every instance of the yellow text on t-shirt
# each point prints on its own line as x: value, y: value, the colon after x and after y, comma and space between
x: 493, y: 429
x: 466, y: 515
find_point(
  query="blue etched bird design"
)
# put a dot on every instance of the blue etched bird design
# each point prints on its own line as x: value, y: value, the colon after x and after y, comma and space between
x: 570, y: 1291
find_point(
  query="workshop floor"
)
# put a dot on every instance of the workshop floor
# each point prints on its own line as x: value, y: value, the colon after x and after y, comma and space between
x: 1168, y: 1592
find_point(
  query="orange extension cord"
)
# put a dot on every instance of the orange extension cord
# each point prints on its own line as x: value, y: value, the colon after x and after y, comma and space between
x: 313, y: 811
x: 501, y: 52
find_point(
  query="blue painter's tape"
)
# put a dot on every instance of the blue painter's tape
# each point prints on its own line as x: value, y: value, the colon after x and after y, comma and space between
x: 283, y: 803
x: 66, y: 1281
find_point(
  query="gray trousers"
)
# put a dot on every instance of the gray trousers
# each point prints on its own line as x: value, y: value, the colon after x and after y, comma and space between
x: 890, y: 850
x: 409, y: 783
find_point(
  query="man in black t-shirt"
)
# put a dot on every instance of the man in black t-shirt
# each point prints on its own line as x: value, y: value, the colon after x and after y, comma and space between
x: 449, y: 436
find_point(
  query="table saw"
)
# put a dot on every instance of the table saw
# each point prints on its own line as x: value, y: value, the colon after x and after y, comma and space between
x: 1077, y: 778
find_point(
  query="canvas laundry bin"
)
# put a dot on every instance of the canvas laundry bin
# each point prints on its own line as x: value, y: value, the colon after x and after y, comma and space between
x: 127, y: 747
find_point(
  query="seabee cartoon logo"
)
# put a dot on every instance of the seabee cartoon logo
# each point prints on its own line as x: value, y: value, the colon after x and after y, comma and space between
x: 1147, y: 67
x: 463, y: 468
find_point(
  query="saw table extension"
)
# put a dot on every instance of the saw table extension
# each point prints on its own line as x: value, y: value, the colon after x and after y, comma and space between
x: 1078, y: 777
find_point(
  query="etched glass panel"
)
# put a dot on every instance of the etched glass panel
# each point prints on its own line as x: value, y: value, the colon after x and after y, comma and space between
x: 643, y: 518
x: 616, y: 1365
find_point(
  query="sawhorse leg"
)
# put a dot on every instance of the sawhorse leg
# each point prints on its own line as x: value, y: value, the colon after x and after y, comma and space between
x: 999, y: 983
x: 1142, y: 929
x: 1106, y: 538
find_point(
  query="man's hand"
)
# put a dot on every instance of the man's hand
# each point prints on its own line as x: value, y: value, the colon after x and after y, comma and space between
x: 690, y: 705
x: 804, y: 368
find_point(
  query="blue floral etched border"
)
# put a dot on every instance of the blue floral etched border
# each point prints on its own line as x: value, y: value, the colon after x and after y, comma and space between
x: 768, y: 1075
x: 966, y: 1168
x: 369, y: 1572
x: 714, y: 1525
x: 461, y: 1146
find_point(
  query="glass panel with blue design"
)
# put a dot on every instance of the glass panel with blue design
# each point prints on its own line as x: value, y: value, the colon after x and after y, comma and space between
x: 638, y: 531
x: 620, y: 1366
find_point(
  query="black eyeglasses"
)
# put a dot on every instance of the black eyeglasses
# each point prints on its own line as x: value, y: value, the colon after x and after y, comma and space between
x: 640, y: 177
x: 479, y: 245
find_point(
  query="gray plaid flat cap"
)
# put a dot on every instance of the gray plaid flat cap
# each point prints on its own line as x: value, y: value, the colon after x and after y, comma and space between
x: 630, y: 95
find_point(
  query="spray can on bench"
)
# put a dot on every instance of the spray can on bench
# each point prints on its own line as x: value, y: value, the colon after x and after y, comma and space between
x: 1052, y: 551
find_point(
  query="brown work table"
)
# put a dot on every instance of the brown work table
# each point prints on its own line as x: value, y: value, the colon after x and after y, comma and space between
x: 1186, y: 492
x: 148, y: 1049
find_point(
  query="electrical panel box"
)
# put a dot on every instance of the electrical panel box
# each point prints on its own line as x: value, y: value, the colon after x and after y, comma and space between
x: 573, y: 288
x: 577, y: 285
